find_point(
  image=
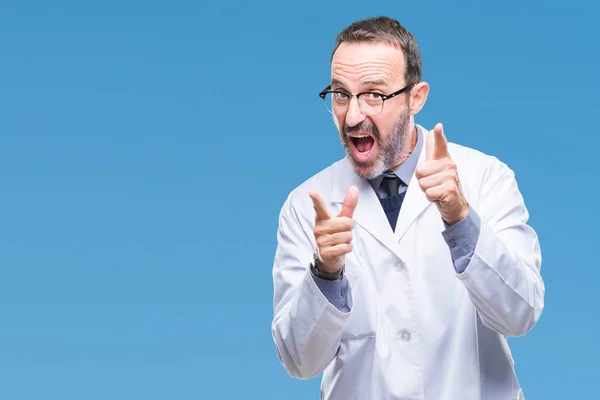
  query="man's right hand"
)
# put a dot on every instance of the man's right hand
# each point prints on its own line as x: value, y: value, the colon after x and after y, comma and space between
x: 333, y: 234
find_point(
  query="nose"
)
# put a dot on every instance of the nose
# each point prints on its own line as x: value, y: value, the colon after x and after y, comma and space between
x: 354, y: 115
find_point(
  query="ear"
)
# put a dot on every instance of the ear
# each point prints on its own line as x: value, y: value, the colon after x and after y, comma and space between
x: 418, y: 97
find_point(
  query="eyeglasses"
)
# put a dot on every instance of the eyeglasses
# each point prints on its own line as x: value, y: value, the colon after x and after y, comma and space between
x: 370, y: 103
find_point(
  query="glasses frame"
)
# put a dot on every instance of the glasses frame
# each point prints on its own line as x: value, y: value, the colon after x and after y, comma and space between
x: 384, y: 97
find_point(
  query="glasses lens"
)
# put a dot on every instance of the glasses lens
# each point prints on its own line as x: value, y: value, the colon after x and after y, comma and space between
x: 328, y: 104
x: 336, y: 103
x: 371, y: 104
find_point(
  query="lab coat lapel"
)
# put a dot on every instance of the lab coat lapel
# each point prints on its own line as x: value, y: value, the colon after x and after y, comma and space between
x: 368, y: 213
x: 414, y: 202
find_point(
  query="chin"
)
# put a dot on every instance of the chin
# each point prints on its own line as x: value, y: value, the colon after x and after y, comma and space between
x: 365, y: 170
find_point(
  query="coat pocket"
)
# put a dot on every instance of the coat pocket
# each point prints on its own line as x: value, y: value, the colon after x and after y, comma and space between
x: 363, y: 321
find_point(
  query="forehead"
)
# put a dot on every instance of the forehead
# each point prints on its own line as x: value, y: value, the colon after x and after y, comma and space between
x: 356, y: 63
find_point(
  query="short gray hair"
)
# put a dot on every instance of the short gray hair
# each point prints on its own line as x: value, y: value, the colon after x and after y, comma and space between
x: 390, y: 31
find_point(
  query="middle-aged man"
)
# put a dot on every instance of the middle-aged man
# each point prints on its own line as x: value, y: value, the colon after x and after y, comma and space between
x: 402, y: 268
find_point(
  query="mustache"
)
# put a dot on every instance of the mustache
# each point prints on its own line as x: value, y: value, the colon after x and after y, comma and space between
x: 364, y: 126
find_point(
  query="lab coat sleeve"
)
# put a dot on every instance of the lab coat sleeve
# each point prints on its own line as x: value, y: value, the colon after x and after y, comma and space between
x: 306, y: 327
x: 503, y: 276
x: 461, y: 239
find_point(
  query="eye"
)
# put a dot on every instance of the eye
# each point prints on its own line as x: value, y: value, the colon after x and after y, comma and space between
x: 373, y: 96
x: 341, y: 96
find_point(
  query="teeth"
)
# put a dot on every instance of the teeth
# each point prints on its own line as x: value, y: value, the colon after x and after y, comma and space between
x: 359, y: 136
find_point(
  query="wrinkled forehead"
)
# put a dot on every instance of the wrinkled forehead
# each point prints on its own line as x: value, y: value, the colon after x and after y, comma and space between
x: 356, y: 63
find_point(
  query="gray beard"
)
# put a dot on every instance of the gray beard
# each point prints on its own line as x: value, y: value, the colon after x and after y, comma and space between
x: 389, y: 149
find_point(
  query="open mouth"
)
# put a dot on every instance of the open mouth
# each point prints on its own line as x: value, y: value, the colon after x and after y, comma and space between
x: 362, y: 146
x: 363, y: 143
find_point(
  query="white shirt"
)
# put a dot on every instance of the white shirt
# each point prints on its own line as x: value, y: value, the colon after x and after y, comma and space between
x: 416, y: 328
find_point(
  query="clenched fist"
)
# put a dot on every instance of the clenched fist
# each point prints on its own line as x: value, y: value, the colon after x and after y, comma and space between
x: 438, y: 178
x: 333, y: 234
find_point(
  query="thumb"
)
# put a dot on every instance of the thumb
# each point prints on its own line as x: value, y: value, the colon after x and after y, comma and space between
x: 437, y: 145
x: 350, y: 202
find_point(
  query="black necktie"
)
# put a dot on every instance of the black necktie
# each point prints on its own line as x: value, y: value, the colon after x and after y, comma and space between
x: 389, y: 185
x: 390, y: 199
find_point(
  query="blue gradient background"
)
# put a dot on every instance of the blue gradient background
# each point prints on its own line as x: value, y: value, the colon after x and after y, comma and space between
x: 127, y: 269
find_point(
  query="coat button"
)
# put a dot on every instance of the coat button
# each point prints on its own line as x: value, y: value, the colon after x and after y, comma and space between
x: 452, y: 243
x: 405, y: 335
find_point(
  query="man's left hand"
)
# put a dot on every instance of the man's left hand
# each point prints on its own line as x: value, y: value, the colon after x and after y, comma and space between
x: 438, y: 178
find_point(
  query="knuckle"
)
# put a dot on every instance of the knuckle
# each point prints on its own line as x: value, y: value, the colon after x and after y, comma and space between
x: 419, y: 172
x: 429, y: 194
x: 321, y: 241
x: 347, y: 223
x: 451, y: 173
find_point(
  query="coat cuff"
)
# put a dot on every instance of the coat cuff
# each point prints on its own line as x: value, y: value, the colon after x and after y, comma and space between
x: 461, y: 239
x: 335, y: 291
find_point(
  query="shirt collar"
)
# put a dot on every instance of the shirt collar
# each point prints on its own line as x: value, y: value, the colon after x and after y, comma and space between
x: 406, y: 169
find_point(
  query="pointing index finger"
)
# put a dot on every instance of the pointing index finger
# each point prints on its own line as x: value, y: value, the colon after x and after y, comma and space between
x: 440, y: 148
x: 319, y: 204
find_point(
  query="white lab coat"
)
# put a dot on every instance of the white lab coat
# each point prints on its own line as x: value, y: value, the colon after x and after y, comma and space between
x: 416, y: 329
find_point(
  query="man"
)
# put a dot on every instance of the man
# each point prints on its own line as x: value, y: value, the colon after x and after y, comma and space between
x: 402, y: 269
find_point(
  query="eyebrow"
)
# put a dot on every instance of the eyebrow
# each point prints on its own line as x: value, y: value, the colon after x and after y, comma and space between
x: 368, y: 82
x: 336, y: 82
x: 374, y: 82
